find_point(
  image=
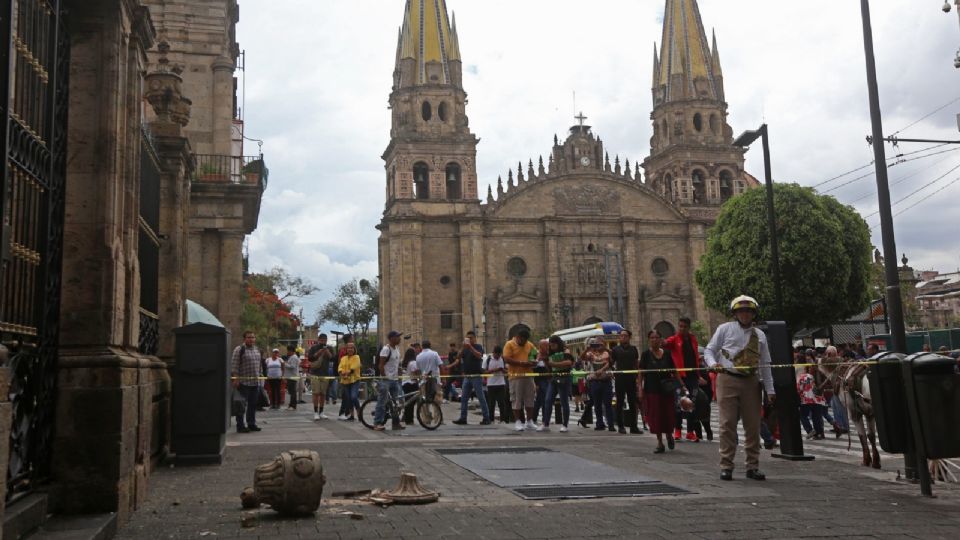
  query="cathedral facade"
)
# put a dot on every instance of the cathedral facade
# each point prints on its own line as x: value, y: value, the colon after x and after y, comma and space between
x: 575, y: 239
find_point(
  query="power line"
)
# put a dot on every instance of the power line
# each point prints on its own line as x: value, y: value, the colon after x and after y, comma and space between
x: 928, y: 115
x: 839, y: 176
x: 919, y: 189
x: 901, y: 179
x: 897, y: 157
x: 948, y: 184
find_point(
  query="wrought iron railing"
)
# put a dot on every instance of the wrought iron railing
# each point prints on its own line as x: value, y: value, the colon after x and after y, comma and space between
x: 149, y: 333
x: 32, y: 176
x: 213, y: 168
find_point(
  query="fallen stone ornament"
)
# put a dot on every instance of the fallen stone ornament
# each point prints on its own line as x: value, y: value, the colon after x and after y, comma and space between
x: 248, y: 499
x: 291, y: 484
x: 409, y: 492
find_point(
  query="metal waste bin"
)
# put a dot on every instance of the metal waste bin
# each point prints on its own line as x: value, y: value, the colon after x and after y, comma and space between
x: 890, y: 401
x: 201, y: 393
x: 936, y: 383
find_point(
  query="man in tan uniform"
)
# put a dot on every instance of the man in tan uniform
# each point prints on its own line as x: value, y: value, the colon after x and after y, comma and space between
x: 738, y: 352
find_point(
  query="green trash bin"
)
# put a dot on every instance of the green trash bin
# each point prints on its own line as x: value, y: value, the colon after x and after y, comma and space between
x: 889, y: 401
x: 936, y: 382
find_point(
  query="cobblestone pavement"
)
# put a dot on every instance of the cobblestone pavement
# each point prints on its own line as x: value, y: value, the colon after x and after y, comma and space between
x: 831, y: 496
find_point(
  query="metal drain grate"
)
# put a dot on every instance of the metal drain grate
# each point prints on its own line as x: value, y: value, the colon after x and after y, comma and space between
x: 582, y: 491
x: 500, y: 450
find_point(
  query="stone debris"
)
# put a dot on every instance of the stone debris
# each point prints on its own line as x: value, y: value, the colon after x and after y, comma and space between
x: 248, y: 520
x: 409, y: 491
x: 291, y: 484
x: 248, y: 499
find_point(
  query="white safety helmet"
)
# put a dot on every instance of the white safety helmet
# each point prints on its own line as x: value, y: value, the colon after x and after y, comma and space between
x: 744, y: 302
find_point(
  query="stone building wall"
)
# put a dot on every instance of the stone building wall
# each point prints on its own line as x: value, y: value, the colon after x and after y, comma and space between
x: 223, y: 208
x: 102, y: 444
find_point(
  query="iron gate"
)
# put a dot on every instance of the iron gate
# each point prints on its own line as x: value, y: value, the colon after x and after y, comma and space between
x: 33, y: 103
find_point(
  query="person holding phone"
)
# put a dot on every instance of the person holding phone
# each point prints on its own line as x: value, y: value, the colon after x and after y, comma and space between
x: 471, y: 360
x: 495, y: 368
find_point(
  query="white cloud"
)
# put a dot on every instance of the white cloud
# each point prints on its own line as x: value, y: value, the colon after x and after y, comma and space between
x: 319, y: 75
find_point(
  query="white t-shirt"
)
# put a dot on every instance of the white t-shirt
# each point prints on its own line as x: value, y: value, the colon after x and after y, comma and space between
x: 274, y: 368
x: 411, y: 372
x: 391, y: 368
x: 496, y: 379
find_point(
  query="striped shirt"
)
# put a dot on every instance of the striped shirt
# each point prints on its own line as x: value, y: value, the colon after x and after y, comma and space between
x: 246, y: 364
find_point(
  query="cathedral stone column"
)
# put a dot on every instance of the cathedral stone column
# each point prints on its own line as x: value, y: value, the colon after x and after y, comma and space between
x: 222, y: 101
x: 231, y: 282
x: 631, y: 269
x: 472, y: 276
x: 698, y: 246
x: 552, y: 272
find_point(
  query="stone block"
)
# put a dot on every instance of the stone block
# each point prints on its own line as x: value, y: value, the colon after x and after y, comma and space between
x: 92, y: 411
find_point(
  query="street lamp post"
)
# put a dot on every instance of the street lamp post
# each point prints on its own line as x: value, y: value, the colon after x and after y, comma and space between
x: 745, y: 140
x: 788, y: 401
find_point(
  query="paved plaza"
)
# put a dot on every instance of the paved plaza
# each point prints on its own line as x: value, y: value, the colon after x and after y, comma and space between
x: 832, y: 496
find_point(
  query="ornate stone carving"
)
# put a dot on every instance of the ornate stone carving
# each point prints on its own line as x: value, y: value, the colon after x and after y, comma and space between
x: 409, y: 491
x: 587, y: 199
x: 165, y: 92
x: 292, y: 483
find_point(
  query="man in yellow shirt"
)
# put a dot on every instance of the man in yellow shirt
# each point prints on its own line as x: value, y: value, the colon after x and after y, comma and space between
x: 516, y: 353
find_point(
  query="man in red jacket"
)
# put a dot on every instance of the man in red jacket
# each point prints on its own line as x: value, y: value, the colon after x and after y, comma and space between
x: 685, y: 353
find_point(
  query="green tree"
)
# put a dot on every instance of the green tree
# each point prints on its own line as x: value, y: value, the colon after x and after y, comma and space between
x: 699, y: 329
x: 824, y: 256
x: 354, y: 306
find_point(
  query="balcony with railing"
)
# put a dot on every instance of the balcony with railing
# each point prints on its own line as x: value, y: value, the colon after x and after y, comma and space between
x: 218, y: 169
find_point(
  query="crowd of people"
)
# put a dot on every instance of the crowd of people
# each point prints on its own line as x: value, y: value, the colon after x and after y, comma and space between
x: 618, y: 388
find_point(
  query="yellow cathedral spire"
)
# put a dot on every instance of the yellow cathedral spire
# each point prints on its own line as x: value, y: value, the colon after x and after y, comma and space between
x: 428, y: 39
x: 687, y: 68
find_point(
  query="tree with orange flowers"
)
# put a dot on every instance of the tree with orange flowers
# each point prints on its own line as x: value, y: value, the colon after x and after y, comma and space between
x: 269, y: 303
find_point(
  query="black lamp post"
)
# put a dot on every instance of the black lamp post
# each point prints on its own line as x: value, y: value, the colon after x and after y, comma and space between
x: 778, y: 334
x: 745, y: 140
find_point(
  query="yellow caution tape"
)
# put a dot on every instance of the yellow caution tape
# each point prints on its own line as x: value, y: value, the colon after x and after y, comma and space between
x: 552, y: 374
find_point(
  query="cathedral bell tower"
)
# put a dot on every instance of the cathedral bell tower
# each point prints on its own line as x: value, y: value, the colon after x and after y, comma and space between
x: 692, y: 158
x: 432, y: 154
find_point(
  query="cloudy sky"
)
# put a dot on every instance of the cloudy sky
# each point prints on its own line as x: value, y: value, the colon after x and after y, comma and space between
x: 319, y: 75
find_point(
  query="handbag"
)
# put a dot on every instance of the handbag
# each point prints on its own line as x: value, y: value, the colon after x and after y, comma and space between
x: 670, y: 385
x: 238, y: 405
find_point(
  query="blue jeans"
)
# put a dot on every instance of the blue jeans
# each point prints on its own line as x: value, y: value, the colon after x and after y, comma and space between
x: 474, y: 384
x: 839, y: 412
x: 765, y: 433
x: 561, y: 386
x: 385, y: 390
x: 351, y: 398
x: 540, y: 401
x: 601, y: 393
x: 252, y: 395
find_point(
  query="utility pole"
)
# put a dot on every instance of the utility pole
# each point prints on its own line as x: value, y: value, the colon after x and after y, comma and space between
x: 912, y: 461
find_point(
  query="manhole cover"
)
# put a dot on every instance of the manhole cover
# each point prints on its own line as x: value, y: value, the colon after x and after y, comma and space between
x: 644, y: 489
x: 502, y: 450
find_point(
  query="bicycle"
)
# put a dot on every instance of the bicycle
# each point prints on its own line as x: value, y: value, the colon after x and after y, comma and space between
x: 428, y: 412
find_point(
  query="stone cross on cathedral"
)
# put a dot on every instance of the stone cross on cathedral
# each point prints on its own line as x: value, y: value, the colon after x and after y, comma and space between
x: 580, y: 117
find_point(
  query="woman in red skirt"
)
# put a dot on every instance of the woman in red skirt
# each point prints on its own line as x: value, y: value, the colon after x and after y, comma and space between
x: 657, y: 390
